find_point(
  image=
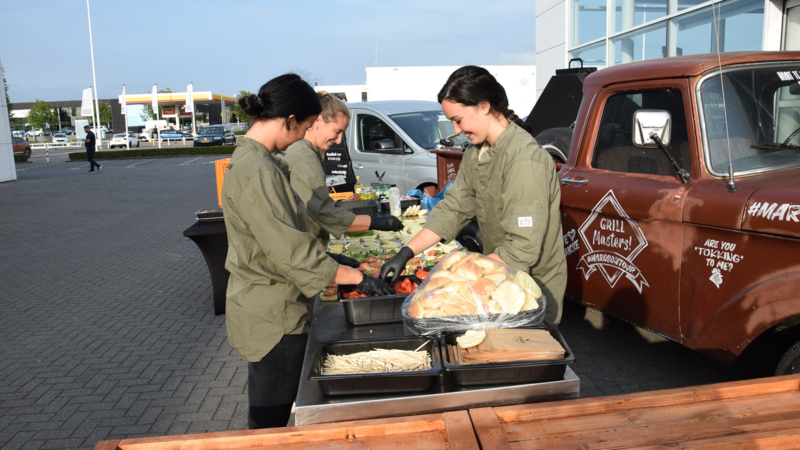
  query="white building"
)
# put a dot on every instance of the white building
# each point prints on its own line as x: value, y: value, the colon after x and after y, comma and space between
x: 8, y: 171
x: 424, y: 83
x: 647, y: 29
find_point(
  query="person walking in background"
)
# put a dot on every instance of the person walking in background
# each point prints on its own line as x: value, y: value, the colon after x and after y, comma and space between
x: 91, y: 142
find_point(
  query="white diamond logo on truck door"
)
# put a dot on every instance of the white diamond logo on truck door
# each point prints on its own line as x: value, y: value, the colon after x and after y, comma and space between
x: 613, y: 241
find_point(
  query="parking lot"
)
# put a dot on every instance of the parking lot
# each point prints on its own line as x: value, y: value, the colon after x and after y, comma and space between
x: 108, y: 328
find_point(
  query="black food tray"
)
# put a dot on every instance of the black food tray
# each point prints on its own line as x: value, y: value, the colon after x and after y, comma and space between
x: 209, y: 215
x: 375, y: 383
x: 359, y: 207
x: 507, y: 372
x: 404, y: 204
x: 373, y: 310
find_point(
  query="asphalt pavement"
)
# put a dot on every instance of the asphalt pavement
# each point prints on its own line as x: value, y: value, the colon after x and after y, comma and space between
x: 108, y: 329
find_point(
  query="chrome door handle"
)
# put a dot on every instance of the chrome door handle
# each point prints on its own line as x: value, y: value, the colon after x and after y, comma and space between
x: 359, y: 166
x: 565, y: 181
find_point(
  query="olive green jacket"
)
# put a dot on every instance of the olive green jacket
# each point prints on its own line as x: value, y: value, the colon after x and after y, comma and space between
x: 272, y: 258
x: 308, y: 180
x: 514, y: 193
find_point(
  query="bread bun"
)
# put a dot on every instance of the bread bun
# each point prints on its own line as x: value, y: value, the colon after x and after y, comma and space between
x: 452, y: 259
x: 471, y: 338
x: 435, y: 283
x: 527, y: 284
x: 510, y: 297
x: 415, y: 310
x: 487, y: 264
x: 469, y: 271
x: 497, y: 278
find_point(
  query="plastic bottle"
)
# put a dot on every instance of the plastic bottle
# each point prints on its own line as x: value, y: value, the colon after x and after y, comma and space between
x: 394, y: 201
x: 358, y: 186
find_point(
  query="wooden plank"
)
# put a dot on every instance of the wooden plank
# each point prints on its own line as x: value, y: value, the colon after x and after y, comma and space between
x: 107, y: 445
x: 768, y: 440
x: 679, y: 396
x: 672, y: 433
x: 460, y: 434
x: 619, y: 421
x: 487, y: 428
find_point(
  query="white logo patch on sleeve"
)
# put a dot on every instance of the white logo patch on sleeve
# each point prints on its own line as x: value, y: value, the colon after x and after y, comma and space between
x: 525, y: 222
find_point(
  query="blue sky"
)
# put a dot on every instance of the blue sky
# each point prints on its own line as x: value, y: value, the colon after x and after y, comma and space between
x: 234, y: 45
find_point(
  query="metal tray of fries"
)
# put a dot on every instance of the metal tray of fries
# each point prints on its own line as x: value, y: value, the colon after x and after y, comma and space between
x: 380, y: 382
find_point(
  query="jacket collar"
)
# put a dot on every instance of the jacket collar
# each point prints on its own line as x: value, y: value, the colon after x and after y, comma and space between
x: 500, y: 144
x: 259, y: 148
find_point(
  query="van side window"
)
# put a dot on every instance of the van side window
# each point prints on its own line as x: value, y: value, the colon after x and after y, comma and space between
x: 614, y: 148
x: 371, y: 130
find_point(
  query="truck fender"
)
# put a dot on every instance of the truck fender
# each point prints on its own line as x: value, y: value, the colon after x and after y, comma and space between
x: 745, y: 317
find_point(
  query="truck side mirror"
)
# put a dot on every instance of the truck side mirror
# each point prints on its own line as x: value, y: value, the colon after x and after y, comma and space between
x: 648, y: 121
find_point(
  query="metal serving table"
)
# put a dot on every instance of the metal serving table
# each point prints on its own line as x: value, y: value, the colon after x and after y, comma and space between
x: 328, y: 324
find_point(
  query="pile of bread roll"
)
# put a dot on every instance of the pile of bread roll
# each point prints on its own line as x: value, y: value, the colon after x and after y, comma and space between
x: 468, y: 284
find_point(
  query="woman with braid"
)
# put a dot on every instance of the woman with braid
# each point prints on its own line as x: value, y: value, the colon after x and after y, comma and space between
x: 506, y: 181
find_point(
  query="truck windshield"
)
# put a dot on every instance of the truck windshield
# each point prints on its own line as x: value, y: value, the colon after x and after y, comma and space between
x: 762, y: 105
x: 427, y: 127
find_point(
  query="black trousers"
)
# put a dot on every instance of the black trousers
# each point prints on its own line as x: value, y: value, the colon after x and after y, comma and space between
x: 90, y: 158
x: 272, y: 383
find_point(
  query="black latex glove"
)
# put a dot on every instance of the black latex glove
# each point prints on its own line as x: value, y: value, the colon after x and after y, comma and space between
x: 375, y: 286
x: 397, y: 264
x: 386, y: 223
x: 345, y: 260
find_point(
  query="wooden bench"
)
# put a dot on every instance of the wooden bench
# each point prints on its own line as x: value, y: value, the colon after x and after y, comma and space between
x: 450, y: 431
x: 759, y: 414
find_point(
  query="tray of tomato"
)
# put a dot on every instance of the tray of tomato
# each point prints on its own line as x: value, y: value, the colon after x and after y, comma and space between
x: 362, y: 310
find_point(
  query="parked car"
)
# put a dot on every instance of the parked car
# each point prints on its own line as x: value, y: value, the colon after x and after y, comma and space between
x: 34, y: 133
x: 391, y: 141
x: 121, y: 140
x: 20, y: 145
x: 173, y: 134
x: 60, y: 138
x: 215, y: 135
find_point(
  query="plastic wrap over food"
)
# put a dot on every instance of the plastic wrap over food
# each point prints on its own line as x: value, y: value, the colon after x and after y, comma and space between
x: 469, y: 291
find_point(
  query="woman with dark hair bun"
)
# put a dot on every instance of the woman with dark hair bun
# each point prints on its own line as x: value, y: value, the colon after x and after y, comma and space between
x: 304, y: 158
x: 275, y: 264
x: 506, y: 181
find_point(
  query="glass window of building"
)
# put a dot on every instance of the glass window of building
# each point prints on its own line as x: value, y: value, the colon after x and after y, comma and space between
x: 791, y: 37
x: 592, y: 55
x: 588, y: 21
x: 639, y: 45
x: 631, y: 13
x: 741, y: 25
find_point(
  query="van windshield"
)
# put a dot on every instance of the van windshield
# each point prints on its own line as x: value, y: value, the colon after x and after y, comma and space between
x: 762, y: 107
x: 426, y: 128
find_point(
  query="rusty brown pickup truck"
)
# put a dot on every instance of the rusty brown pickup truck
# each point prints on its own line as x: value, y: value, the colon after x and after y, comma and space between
x: 680, y: 198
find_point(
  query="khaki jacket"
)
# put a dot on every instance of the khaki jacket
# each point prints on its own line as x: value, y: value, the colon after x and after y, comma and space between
x: 514, y: 193
x: 308, y: 180
x: 272, y: 258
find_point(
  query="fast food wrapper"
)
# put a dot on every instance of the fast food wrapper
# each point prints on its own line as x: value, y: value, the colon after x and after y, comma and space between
x: 469, y: 291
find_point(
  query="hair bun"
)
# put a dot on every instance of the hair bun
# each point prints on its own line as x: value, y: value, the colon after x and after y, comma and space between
x: 252, y: 104
x: 322, y: 94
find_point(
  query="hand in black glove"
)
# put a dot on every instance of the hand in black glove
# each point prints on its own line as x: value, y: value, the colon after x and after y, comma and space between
x: 345, y: 260
x: 397, y: 264
x: 375, y: 286
x: 386, y: 223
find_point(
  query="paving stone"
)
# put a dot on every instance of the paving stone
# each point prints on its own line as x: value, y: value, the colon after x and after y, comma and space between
x: 108, y: 328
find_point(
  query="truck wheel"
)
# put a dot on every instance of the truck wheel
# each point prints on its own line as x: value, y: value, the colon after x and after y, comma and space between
x: 556, y: 142
x: 790, y: 363
x: 471, y: 237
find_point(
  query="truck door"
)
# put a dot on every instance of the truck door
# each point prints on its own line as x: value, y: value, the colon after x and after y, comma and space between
x: 622, y: 209
x: 371, y: 155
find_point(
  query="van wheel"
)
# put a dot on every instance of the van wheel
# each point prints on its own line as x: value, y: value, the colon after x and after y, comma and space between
x: 556, y: 142
x: 790, y: 363
x: 471, y: 237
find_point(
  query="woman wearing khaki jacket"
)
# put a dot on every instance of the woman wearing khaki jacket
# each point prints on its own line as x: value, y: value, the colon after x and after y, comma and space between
x: 274, y: 263
x: 506, y: 181
x: 304, y: 158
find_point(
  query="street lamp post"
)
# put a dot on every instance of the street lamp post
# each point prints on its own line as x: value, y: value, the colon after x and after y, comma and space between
x: 94, y: 78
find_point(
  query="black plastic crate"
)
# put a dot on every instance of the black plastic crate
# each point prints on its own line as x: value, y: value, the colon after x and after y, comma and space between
x: 373, y: 310
x: 359, y: 207
x: 376, y: 383
x: 404, y: 204
x: 507, y: 372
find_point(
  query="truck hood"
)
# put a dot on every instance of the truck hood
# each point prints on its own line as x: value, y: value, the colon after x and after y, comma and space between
x: 774, y: 208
